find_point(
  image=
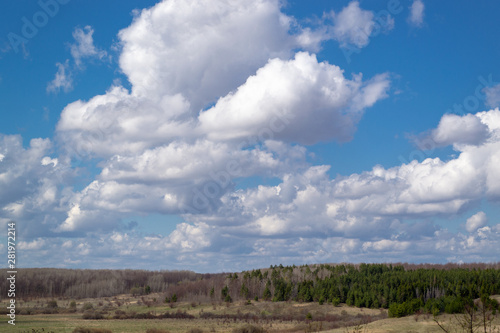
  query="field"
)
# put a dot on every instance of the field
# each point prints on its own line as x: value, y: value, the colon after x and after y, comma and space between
x: 210, y: 317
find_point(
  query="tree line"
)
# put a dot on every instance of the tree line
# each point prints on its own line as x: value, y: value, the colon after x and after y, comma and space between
x: 401, y: 288
x: 87, y: 283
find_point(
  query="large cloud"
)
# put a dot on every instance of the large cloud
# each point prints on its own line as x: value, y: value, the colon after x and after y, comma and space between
x: 298, y: 100
x: 202, y: 49
x: 160, y: 154
x: 179, y: 56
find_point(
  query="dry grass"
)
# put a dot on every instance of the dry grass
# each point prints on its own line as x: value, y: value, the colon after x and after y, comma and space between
x: 425, y: 324
x: 224, y: 318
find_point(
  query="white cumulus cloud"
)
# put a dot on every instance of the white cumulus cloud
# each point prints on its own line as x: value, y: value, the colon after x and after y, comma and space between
x: 299, y: 100
x: 200, y: 49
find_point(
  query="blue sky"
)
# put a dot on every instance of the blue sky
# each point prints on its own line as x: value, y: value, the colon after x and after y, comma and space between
x: 230, y: 135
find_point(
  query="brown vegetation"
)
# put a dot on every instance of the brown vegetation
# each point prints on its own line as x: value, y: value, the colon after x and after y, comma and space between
x: 90, y: 330
x: 78, y: 283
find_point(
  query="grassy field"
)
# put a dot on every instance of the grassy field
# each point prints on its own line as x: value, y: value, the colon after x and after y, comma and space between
x: 211, y: 317
x: 409, y: 325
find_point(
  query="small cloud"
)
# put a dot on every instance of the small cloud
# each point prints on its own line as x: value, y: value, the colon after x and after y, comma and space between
x: 455, y: 129
x: 386, y: 245
x: 416, y: 17
x: 353, y: 25
x: 63, y: 79
x: 476, y: 221
x: 84, y: 46
x: 492, y: 96
x: 67, y: 244
x: 36, y: 244
x: 47, y: 160
x: 72, y: 262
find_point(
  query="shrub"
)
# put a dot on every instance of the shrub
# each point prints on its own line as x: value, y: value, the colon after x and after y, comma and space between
x: 52, y: 304
x: 147, y: 315
x: 92, y: 315
x: 88, y: 306
x: 397, y: 310
x: 90, y: 330
x: 454, y: 304
x: 25, y: 312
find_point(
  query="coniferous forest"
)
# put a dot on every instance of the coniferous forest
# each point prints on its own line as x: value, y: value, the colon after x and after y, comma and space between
x: 403, y: 289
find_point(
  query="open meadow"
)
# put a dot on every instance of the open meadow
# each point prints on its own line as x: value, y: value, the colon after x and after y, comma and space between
x: 127, y: 313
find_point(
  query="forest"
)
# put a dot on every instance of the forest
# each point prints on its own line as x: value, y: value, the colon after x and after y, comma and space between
x: 403, y: 289
x: 87, y: 283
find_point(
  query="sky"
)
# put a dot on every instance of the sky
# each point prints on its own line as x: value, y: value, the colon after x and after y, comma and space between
x: 230, y: 135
